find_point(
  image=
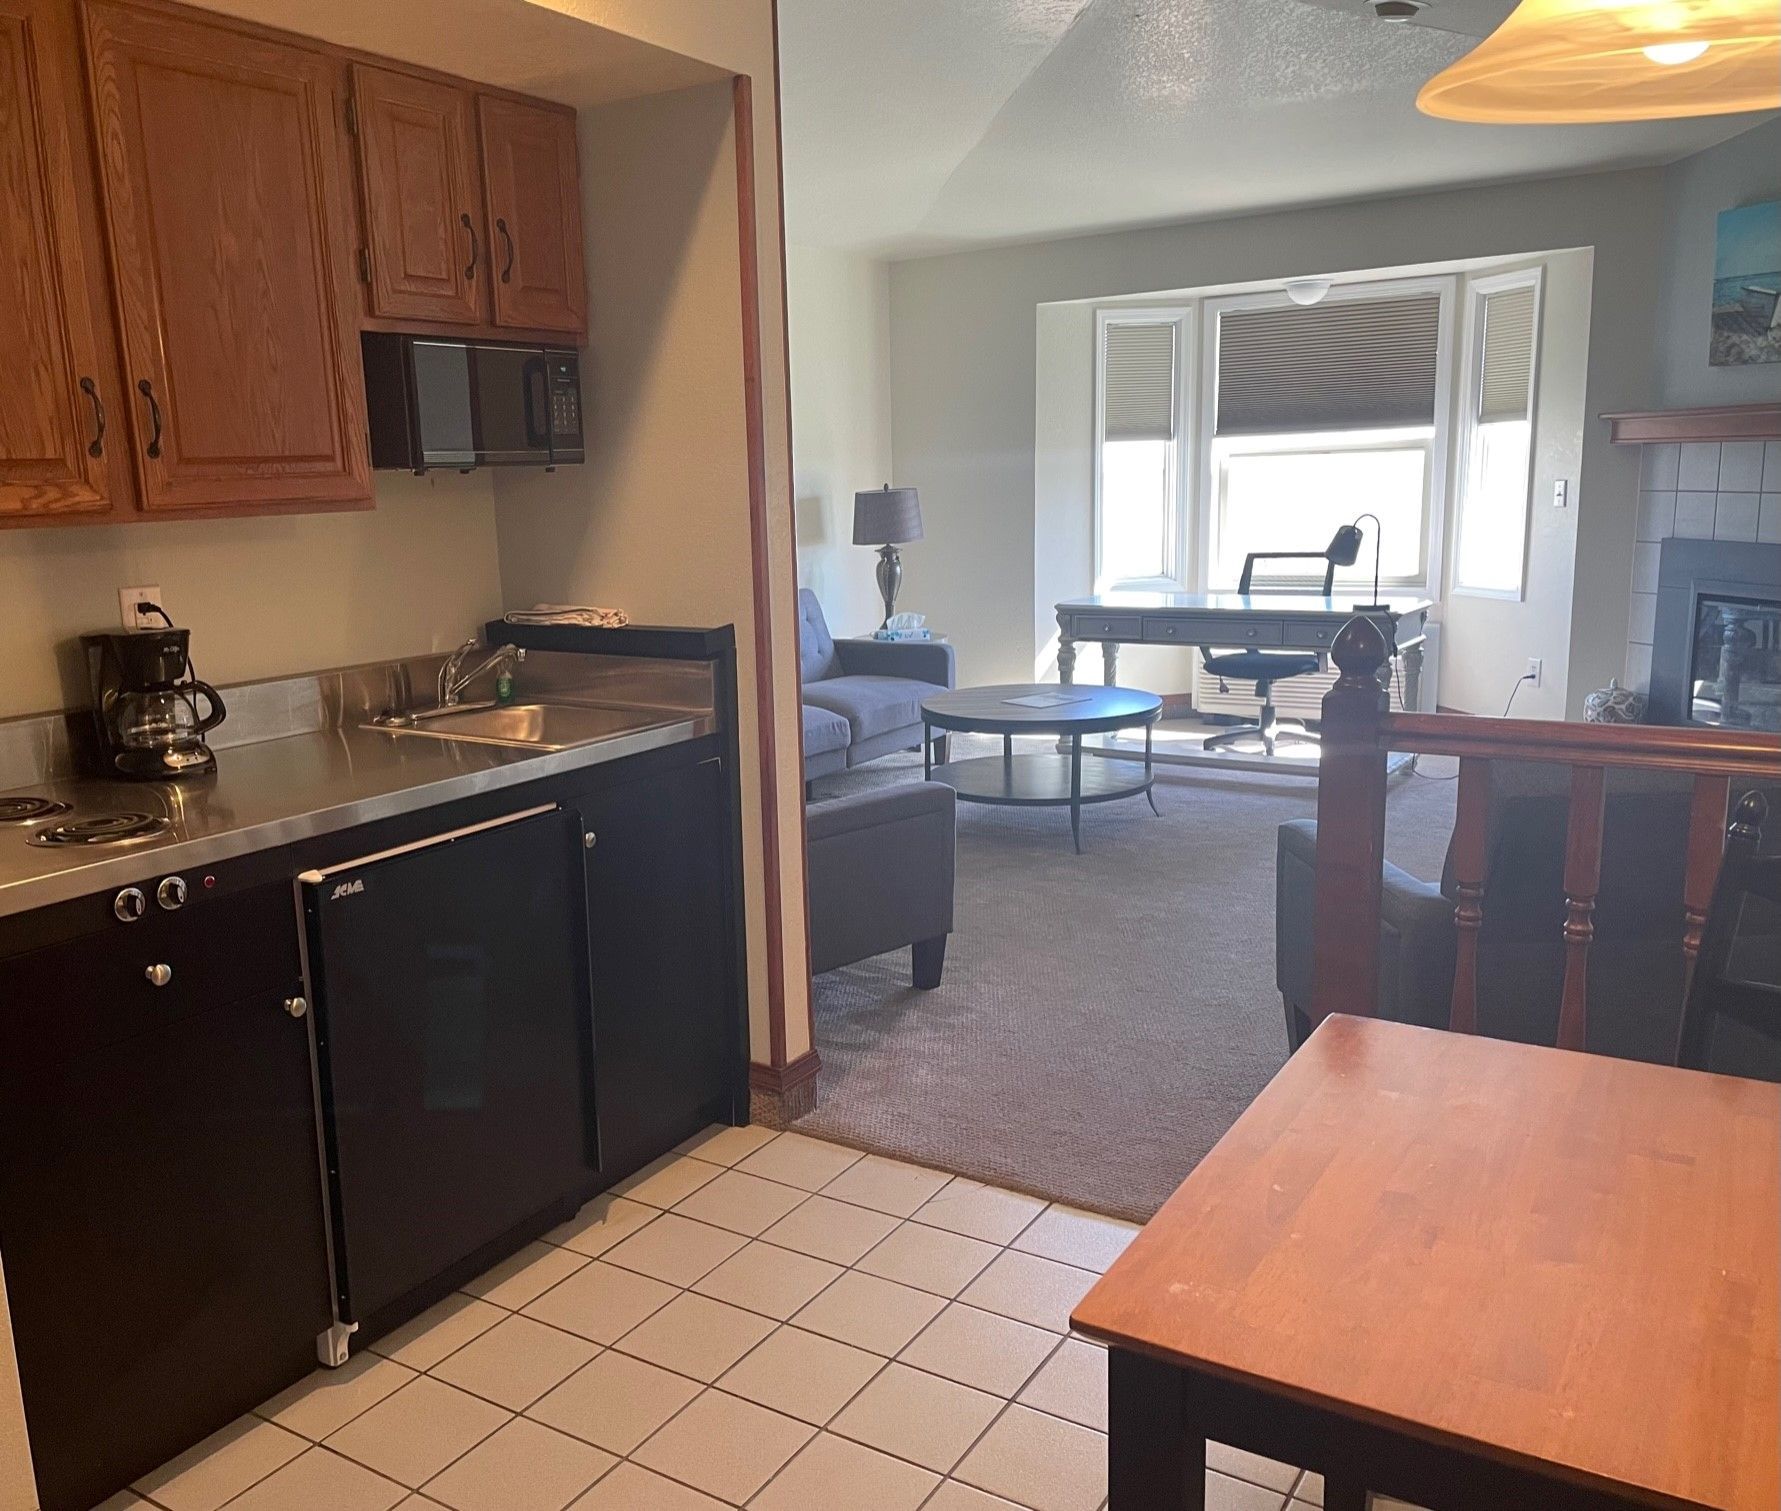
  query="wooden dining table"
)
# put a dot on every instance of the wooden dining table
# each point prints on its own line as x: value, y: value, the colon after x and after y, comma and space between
x: 1470, y: 1274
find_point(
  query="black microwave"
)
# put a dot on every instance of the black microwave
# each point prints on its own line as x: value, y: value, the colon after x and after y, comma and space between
x: 434, y: 401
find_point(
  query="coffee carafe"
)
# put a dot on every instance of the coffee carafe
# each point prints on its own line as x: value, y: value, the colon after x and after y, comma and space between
x: 145, y: 704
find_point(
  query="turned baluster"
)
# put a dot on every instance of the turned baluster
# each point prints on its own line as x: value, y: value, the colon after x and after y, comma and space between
x: 1470, y: 817
x: 1583, y: 878
x: 1706, y: 847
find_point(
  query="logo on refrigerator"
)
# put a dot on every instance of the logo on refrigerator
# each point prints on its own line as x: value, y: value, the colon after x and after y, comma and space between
x: 347, y: 889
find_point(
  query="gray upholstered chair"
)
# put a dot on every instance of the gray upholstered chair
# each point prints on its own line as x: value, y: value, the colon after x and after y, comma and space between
x: 880, y: 869
x: 1635, y: 963
x: 869, y: 689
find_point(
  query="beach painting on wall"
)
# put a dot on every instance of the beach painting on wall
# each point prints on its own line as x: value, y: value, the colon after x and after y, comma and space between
x: 1747, y: 287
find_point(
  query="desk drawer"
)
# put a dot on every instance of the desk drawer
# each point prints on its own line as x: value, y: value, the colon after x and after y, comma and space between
x: 1213, y: 629
x: 1311, y: 636
x: 1107, y: 626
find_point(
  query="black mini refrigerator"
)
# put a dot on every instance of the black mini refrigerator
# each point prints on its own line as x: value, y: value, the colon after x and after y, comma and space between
x: 454, y: 1041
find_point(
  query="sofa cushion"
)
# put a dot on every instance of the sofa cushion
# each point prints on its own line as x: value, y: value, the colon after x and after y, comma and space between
x: 823, y: 731
x: 872, y: 706
x: 817, y: 657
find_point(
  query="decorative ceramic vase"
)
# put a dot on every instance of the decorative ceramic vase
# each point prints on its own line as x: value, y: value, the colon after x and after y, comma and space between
x: 1614, y: 704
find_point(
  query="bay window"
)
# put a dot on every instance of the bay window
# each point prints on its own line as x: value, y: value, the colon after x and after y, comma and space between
x: 1497, y: 434
x: 1140, y: 465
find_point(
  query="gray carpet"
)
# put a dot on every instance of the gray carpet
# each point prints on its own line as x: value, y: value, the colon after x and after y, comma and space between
x: 1105, y: 1017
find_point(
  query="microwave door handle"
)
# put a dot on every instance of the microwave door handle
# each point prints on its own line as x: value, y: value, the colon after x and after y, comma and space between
x: 536, y: 403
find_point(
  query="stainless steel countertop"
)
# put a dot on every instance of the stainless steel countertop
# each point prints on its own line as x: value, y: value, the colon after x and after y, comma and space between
x: 283, y: 790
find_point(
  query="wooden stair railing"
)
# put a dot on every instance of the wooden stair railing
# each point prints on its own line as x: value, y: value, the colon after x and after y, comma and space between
x: 1359, y: 730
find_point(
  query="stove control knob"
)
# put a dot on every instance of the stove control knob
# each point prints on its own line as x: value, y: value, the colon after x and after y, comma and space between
x: 129, y: 904
x: 171, y: 894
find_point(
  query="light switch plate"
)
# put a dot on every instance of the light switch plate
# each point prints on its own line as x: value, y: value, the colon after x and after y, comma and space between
x: 1561, y: 494
x: 128, y: 598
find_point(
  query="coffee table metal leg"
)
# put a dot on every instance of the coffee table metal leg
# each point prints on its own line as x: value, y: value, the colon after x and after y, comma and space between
x: 1156, y: 1457
x: 1150, y: 772
x: 1076, y: 791
x: 927, y: 751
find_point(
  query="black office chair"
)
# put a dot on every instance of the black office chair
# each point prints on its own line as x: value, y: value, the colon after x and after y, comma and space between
x: 1265, y: 668
x: 1731, y: 1022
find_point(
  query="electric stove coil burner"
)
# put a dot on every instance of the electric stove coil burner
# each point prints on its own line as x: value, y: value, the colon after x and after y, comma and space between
x: 31, y: 810
x: 105, y: 829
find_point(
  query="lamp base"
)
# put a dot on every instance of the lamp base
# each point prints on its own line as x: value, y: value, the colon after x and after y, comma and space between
x: 1371, y: 608
x: 890, y: 579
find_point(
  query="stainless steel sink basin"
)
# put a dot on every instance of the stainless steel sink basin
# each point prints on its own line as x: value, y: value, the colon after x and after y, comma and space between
x: 532, y: 726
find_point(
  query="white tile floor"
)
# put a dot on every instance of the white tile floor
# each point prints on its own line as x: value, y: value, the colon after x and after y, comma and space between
x: 757, y: 1320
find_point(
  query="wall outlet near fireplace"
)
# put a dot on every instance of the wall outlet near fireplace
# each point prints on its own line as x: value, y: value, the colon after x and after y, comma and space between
x: 1536, y: 670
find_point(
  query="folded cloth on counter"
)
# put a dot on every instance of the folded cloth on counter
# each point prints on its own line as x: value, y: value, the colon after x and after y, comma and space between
x: 569, y: 613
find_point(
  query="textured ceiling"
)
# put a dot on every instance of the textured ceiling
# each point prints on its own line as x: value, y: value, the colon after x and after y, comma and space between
x: 919, y: 125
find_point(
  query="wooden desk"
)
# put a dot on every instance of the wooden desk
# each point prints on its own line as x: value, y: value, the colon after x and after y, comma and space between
x: 1475, y: 1275
x: 1277, y: 621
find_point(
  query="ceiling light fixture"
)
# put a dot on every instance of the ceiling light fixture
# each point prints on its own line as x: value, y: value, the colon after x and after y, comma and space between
x: 1572, y: 61
x: 1306, y: 290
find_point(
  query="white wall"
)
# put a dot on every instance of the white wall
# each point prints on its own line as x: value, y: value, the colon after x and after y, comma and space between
x: 839, y: 306
x: 1744, y: 171
x: 964, y: 376
x: 262, y: 597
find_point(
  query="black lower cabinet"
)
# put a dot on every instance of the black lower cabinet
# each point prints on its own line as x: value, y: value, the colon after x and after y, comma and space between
x: 667, y: 1051
x: 161, y: 1222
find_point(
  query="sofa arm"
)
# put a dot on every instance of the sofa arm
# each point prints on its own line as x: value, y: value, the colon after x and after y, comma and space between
x: 880, y: 871
x: 1415, y: 933
x: 919, y: 660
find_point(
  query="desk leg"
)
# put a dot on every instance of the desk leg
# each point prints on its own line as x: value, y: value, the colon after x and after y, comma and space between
x: 1110, y: 662
x: 1066, y: 660
x: 1076, y: 791
x: 1413, y: 678
x: 1156, y: 1459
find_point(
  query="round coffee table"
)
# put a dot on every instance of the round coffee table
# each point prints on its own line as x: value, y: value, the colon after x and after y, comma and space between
x: 1041, y: 781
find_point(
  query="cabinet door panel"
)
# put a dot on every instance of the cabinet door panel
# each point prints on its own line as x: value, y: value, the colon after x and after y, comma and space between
x: 534, y: 215
x: 166, y: 1260
x: 666, y: 1036
x: 422, y: 197
x: 223, y: 167
x: 58, y: 374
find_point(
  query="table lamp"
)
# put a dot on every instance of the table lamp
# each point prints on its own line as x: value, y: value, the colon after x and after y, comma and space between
x: 1345, y: 548
x: 887, y: 517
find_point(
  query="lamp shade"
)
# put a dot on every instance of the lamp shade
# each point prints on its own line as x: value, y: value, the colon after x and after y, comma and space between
x: 1573, y: 61
x: 886, y: 516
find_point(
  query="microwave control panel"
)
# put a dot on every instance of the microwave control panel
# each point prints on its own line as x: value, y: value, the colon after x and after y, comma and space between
x: 565, y: 397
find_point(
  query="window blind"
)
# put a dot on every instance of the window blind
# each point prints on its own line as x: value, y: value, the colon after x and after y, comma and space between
x: 1138, y: 383
x: 1506, y: 373
x: 1361, y: 364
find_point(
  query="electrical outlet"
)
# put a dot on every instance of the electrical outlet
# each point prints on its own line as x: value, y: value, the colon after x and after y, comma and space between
x: 1536, y: 670
x: 128, y: 598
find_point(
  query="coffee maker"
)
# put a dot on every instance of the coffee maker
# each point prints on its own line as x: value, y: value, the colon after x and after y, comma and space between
x: 145, y: 704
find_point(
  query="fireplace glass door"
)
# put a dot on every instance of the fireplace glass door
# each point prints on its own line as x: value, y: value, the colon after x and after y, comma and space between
x: 1735, y: 676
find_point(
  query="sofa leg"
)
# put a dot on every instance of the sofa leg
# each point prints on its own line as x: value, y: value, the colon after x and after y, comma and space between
x: 1298, y: 1025
x: 927, y: 958
x: 809, y: 791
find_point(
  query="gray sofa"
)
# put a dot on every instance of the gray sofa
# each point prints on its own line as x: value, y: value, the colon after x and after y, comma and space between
x: 1635, y: 964
x: 880, y: 868
x: 862, y: 698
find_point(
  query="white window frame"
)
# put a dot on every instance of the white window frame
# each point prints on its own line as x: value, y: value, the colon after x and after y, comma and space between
x: 1181, y: 316
x: 1472, y: 372
x: 1205, y: 543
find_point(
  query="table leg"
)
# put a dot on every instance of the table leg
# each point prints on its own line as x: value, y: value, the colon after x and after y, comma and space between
x: 1156, y: 1459
x: 1110, y: 662
x: 1345, y: 1495
x: 1008, y: 761
x: 1076, y: 790
x: 1150, y: 771
x: 1066, y: 660
x: 927, y: 751
x: 1413, y: 678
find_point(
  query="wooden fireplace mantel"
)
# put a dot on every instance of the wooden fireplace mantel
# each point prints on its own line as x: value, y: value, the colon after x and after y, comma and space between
x: 1725, y: 422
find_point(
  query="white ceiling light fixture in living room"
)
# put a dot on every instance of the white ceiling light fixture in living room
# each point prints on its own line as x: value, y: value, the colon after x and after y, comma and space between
x: 1307, y: 290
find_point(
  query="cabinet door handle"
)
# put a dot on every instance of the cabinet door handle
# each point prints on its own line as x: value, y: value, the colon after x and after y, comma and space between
x: 506, y: 241
x: 95, y: 447
x: 147, y: 390
x: 158, y: 975
x: 470, y: 229
x: 296, y: 1006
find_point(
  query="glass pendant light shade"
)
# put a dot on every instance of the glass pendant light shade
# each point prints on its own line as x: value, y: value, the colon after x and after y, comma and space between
x: 1573, y: 61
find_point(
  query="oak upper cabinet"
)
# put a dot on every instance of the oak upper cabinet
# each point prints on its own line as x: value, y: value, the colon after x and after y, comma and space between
x: 60, y: 440
x: 225, y: 184
x: 421, y: 182
x: 532, y: 177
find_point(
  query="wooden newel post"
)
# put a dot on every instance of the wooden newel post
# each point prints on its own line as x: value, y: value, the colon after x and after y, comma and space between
x: 1350, y: 828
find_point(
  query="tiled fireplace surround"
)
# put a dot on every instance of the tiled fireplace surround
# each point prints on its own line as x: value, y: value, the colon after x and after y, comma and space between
x: 1700, y: 490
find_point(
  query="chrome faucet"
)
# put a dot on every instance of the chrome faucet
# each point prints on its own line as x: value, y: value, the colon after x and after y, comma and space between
x: 453, y: 679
